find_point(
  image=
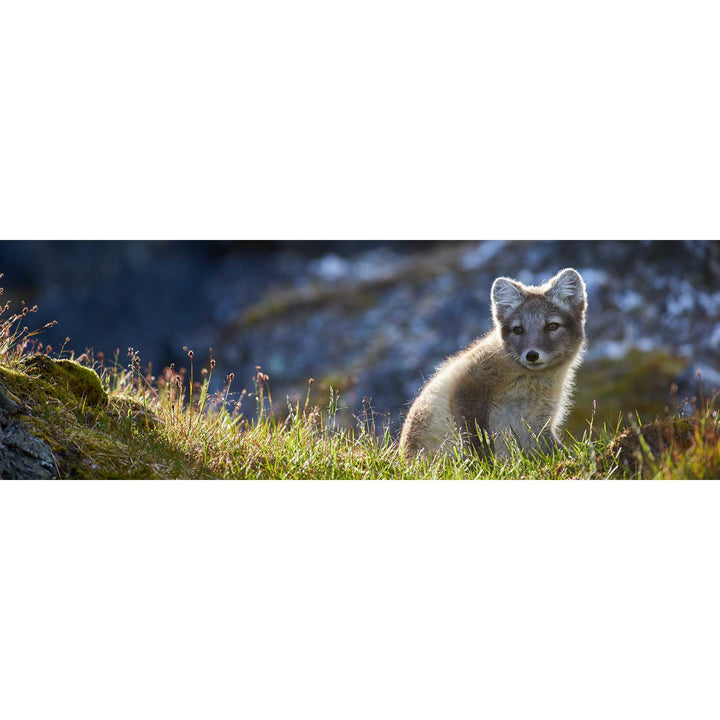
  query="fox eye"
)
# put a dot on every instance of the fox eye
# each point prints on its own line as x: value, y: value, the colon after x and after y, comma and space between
x: 550, y: 327
x: 518, y: 330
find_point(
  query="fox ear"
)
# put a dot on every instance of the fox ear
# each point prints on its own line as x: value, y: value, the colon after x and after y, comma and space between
x: 506, y: 295
x: 567, y: 289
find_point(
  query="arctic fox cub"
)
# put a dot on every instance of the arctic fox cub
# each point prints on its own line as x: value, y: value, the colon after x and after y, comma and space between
x: 513, y: 382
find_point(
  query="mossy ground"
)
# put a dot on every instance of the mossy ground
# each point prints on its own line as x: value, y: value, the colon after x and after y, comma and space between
x: 91, y: 437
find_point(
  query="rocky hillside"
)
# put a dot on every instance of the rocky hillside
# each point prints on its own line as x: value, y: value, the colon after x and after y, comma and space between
x: 376, y: 323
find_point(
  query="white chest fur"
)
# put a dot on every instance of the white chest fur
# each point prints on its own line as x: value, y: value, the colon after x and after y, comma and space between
x: 527, y: 407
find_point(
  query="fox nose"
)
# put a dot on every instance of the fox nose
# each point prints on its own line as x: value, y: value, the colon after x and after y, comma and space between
x: 532, y: 356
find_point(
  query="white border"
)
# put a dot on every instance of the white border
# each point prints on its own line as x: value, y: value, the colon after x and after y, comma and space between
x: 355, y: 600
x: 390, y: 120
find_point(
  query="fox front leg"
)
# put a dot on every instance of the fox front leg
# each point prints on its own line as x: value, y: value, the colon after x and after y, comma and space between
x: 549, y: 443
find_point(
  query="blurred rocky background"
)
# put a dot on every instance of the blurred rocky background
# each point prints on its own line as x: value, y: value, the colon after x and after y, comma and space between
x: 372, y: 319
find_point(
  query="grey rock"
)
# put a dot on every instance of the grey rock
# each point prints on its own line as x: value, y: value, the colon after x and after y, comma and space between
x: 24, y: 456
x: 7, y: 405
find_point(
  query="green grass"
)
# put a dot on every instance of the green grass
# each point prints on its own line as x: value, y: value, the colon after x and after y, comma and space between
x: 148, y: 429
x: 111, y: 420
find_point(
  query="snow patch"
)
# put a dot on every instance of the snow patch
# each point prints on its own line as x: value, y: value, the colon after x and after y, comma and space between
x: 376, y: 265
x: 645, y: 344
x: 330, y: 267
x: 715, y: 337
x: 613, y: 349
x: 709, y: 303
x: 477, y: 257
x: 593, y: 278
x: 528, y: 278
x: 629, y: 301
x: 683, y: 301
x: 618, y: 349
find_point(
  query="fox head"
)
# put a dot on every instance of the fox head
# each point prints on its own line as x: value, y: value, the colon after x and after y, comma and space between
x: 544, y: 325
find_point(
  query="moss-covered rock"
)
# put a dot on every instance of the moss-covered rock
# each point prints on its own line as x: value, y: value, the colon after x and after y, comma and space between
x: 75, y: 379
x: 636, y: 383
x: 88, y: 435
x: 635, y: 447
